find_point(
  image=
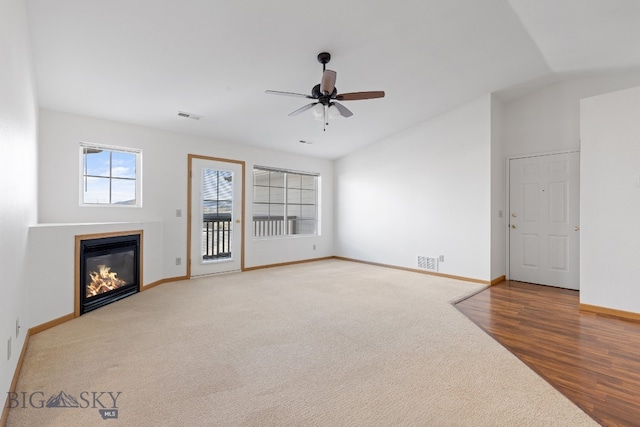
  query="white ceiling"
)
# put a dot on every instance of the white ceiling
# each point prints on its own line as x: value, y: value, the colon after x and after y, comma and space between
x: 141, y: 61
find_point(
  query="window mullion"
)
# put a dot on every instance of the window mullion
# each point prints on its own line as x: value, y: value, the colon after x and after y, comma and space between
x: 286, y: 204
x: 110, y: 176
x: 84, y: 161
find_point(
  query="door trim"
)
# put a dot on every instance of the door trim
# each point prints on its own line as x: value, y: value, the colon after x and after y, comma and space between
x: 508, y: 195
x: 191, y: 157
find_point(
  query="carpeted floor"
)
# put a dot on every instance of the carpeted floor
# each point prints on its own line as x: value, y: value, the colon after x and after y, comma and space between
x: 327, y: 343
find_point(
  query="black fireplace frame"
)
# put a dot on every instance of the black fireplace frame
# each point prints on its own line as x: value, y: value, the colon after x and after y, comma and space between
x: 103, y: 244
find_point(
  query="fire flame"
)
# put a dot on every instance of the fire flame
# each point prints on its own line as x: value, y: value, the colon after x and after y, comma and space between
x: 103, y: 281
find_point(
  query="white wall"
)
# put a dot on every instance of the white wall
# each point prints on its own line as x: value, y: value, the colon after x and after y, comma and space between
x: 610, y: 200
x: 165, y: 165
x: 544, y: 120
x: 18, y: 179
x: 423, y: 192
x: 549, y: 119
x: 164, y: 157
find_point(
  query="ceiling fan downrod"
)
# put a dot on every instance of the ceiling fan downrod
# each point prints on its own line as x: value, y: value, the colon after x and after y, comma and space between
x: 324, y: 58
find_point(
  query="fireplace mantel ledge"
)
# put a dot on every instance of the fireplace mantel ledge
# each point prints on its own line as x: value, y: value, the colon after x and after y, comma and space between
x: 91, y: 224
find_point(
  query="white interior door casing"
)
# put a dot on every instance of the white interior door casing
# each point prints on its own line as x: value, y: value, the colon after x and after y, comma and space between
x: 216, y: 216
x: 544, y: 219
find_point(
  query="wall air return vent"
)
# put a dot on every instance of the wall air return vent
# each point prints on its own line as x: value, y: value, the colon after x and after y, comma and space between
x: 428, y: 263
x: 189, y: 115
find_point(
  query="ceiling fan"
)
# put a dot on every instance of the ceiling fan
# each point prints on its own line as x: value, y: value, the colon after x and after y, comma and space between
x: 325, y: 95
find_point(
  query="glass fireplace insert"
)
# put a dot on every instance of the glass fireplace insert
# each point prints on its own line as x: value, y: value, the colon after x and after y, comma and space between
x: 109, y: 270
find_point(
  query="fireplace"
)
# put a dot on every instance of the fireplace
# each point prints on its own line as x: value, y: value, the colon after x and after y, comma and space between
x: 108, y: 269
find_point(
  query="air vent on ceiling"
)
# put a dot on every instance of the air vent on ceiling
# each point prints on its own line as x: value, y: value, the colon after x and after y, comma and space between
x: 189, y: 115
x: 428, y: 263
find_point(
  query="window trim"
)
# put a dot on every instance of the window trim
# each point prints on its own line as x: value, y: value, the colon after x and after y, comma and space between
x: 318, y: 181
x: 138, y: 177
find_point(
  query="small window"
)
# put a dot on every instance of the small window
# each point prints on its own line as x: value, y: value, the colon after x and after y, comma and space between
x: 285, y: 203
x: 110, y: 176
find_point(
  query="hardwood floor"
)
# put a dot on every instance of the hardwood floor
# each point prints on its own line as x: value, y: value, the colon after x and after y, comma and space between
x: 593, y: 359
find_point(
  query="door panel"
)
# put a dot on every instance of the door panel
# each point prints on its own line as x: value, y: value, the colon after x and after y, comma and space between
x: 215, y: 216
x: 530, y: 250
x: 544, y: 219
x: 530, y: 202
x: 558, y: 197
x: 559, y: 253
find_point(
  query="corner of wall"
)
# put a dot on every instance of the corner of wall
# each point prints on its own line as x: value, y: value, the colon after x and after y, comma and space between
x: 498, y: 189
x: 18, y: 210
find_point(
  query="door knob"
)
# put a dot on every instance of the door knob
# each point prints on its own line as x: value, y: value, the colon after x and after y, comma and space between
x: 515, y: 215
x: 576, y: 228
x: 514, y: 226
x: 237, y: 221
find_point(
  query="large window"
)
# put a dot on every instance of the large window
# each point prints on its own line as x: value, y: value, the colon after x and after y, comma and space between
x: 110, y: 176
x: 285, y: 203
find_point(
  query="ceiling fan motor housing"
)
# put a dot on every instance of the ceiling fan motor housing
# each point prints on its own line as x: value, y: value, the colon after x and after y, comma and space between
x: 324, y: 58
x: 316, y: 94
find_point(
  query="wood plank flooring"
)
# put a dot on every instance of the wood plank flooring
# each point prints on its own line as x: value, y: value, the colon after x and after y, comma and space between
x: 593, y: 359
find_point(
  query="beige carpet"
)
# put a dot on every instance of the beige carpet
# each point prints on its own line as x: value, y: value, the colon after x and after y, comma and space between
x: 328, y: 343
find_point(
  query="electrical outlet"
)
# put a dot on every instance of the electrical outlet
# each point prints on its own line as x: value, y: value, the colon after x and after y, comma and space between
x: 17, y: 327
x: 178, y: 213
x: 314, y: 247
x: 441, y: 258
x: 9, y: 349
x: 178, y: 261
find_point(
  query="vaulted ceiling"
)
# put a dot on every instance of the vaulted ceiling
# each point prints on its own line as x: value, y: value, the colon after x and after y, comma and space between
x: 142, y: 61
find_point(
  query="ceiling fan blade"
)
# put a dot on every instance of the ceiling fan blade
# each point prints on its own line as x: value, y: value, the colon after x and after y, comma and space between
x: 303, y: 109
x: 354, y: 96
x: 344, y: 111
x: 277, y: 92
x: 328, y: 82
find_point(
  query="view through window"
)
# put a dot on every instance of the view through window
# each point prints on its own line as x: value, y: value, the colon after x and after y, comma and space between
x: 110, y: 176
x: 285, y: 203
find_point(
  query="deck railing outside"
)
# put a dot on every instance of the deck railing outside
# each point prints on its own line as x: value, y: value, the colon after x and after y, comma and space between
x: 273, y: 226
x: 217, y: 228
x: 216, y: 236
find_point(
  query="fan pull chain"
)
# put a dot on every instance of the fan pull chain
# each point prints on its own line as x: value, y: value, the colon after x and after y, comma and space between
x: 326, y: 122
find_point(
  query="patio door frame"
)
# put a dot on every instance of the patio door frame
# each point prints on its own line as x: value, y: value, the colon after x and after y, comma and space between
x: 190, y: 159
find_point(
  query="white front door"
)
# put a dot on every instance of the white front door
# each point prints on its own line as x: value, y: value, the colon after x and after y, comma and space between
x: 215, y: 216
x: 544, y: 238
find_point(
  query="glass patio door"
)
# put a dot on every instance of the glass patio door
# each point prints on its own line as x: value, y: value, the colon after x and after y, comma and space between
x: 216, y: 216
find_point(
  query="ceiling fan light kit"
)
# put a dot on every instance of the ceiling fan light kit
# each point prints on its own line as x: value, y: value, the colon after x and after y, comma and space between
x: 318, y: 111
x: 326, y: 94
